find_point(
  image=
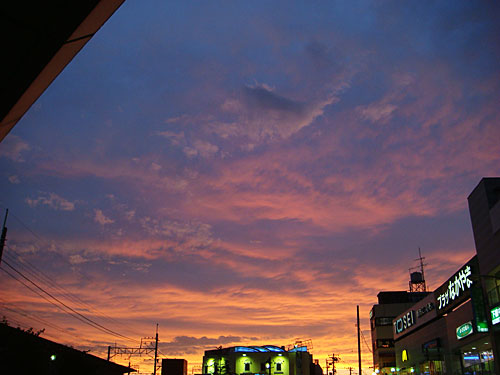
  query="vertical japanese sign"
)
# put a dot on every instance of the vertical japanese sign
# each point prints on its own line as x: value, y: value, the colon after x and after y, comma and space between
x: 457, y: 288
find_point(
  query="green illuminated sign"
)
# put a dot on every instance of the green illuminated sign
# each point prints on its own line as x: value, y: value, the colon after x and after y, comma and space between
x: 495, y: 315
x: 482, y: 327
x: 464, y: 330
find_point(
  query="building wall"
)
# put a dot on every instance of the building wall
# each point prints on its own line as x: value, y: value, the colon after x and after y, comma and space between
x: 417, y: 355
x: 390, y: 305
x: 227, y: 361
x: 171, y: 366
x: 445, y: 332
x: 484, y: 209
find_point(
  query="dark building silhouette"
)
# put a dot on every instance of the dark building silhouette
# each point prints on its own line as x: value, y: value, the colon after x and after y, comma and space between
x: 24, y: 353
x: 173, y: 366
x: 39, y: 38
x: 484, y: 209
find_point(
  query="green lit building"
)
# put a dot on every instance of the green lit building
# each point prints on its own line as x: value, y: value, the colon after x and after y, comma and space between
x: 260, y: 360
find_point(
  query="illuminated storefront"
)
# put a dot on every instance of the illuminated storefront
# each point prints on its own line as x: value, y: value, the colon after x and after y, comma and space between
x: 446, y: 332
x: 390, y: 304
x: 420, y: 335
x: 259, y: 360
x: 456, y: 329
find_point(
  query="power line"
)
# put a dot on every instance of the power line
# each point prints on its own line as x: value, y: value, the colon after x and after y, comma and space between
x: 35, y: 291
x: 26, y: 314
x: 364, y: 340
x: 22, y: 223
x: 41, y: 295
x: 42, y: 277
x: 71, y: 312
x: 18, y: 323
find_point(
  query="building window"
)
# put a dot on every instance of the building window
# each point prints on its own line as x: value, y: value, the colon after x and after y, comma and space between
x: 383, y: 321
x: 493, y: 292
x: 385, y: 343
x: 247, y: 366
x: 278, y: 366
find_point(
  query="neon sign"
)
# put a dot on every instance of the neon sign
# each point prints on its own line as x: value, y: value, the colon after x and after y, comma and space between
x: 495, y: 315
x: 406, y: 321
x: 456, y: 286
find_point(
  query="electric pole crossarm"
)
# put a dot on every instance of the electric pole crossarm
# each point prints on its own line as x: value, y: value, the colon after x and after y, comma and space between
x: 148, y: 346
x: 132, y: 351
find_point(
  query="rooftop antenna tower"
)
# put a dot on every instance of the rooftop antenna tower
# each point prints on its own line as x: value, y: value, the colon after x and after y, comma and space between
x: 417, y: 278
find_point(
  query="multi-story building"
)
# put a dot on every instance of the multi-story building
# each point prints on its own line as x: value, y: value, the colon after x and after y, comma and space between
x: 390, y: 305
x: 456, y: 329
x: 446, y: 332
x: 259, y: 360
x: 484, y: 209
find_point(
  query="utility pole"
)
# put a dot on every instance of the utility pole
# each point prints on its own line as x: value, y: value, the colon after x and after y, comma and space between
x: 331, y: 361
x: 156, y: 348
x: 4, y: 234
x: 359, y: 341
x: 149, y: 345
x: 334, y: 359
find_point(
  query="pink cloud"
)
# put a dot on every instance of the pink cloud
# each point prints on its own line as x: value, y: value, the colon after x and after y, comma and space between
x: 12, y: 148
x: 102, y: 219
x: 51, y: 200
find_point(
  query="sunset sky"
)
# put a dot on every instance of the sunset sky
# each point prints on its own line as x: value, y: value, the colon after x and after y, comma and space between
x: 247, y: 172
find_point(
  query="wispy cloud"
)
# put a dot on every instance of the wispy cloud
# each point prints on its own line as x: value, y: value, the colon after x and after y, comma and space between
x: 51, y: 200
x: 102, y: 219
x: 13, y: 147
x: 201, y: 148
x: 263, y: 114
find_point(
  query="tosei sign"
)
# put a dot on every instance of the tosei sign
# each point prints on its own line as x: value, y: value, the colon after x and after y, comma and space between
x: 406, y: 321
